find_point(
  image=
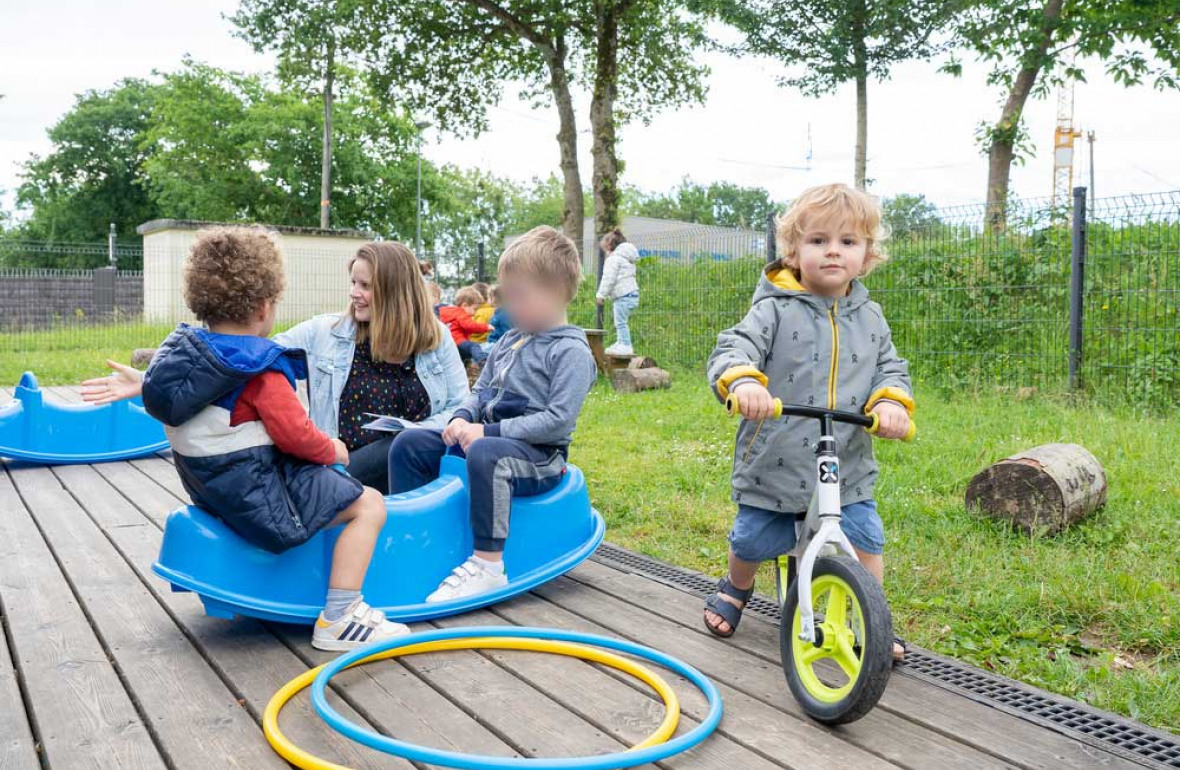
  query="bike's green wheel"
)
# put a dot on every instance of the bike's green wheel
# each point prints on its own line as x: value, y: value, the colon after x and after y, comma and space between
x: 842, y: 676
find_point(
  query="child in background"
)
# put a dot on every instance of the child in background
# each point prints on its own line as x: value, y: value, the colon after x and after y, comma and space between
x: 434, y: 291
x: 462, y: 324
x: 812, y: 336
x: 483, y: 314
x: 501, y: 323
x: 619, y: 285
x: 244, y: 446
x: 516, y: 426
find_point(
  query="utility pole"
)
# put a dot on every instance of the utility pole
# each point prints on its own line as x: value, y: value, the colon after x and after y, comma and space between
x: 326, y: 159
x: 421, y: 125
x: 1090, y: 138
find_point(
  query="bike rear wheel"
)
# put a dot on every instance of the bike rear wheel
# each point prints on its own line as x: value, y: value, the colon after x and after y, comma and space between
x: 840, y: 677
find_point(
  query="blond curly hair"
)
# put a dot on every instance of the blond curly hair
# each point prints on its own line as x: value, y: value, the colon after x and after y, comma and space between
x: 826, y: 202
x: 230, y: 272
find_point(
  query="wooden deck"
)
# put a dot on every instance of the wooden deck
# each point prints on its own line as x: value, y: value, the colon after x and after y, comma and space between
x: 103, y: 666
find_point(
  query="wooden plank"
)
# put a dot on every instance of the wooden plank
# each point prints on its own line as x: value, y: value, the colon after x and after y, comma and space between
x: 163, y: 473
x: 149, y: 497
x: 63, y: 394
x: 78, y: 707
x: 258, y: 661
x: 196, y: 719
x: 628, y: 710
x: 974, y: 724
x: 880, y: 732
x: 18, y: 750
x: 759, y: 727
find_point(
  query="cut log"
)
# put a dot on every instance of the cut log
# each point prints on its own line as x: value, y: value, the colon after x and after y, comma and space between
x: 141, y: 357
x: 635, y: 380
x: 1044, y: 489
x: 642, y: 362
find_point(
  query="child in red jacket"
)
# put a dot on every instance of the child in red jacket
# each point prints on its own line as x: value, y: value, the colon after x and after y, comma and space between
x: 463, y: 324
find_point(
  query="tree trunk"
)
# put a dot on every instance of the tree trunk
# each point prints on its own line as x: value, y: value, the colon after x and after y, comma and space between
x: 1045, y: 489
x: 1002, y: 148
x: 602, y: 117
x: 573, y: 211
x: 860, y: 64
x: 326, y: 164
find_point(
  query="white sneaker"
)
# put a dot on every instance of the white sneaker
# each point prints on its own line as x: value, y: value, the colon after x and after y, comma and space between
x: 469, y: 579
x: 359, y: 626
x: 620, y: 350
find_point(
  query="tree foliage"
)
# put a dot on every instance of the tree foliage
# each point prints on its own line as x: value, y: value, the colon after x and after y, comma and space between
x: 827, y: 43
x: 718, y: 203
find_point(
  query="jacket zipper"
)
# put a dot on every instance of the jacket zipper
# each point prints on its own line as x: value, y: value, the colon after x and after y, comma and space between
x: 834, y: 369
x: 291, y: 508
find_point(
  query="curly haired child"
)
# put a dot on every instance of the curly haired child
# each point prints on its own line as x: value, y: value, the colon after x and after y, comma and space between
x: 244, y: 446
x: 813, y: 336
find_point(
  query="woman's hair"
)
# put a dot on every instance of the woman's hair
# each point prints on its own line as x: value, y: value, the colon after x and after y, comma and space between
x: 611, y: 240
x: 402, y: 322
x: 547, y: 255
x: 468, y: 295
x: 230, y: 272
x: 852, y: 208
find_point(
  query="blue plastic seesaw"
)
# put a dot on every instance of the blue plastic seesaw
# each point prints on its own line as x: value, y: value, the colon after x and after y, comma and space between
x: 64, y: 434
x: 426, y: 535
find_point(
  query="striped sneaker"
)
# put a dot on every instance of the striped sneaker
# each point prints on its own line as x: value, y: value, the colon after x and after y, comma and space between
x: 358, y: 626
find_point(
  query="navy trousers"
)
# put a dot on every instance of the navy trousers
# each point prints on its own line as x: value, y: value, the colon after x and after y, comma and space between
x: 497, y: 469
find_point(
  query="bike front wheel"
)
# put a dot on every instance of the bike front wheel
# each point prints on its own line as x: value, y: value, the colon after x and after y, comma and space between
x: 840, y: 677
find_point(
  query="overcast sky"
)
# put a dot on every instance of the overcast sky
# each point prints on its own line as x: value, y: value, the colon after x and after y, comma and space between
x: 750, y: 131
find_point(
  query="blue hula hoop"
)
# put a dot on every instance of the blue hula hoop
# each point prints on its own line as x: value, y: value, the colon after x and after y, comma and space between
x: 431, y: 756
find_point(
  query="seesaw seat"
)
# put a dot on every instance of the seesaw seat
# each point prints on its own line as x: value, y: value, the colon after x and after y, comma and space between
x: 426, y: 535
x: 62, y: 434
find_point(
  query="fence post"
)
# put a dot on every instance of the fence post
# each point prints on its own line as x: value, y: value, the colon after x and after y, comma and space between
x: 1077, y: 286
x: 598, y: 319
x: 771, y: 255
x: 104, y: 289
x: 111, y: 259
x: 479, y: 262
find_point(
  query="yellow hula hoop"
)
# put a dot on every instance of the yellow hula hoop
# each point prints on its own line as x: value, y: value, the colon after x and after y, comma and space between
x: 300, y: 758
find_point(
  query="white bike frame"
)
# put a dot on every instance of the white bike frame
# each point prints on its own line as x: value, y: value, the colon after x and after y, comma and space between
x: 808, y: 549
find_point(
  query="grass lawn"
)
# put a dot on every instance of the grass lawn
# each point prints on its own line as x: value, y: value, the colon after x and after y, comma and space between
x: 1093, y: 613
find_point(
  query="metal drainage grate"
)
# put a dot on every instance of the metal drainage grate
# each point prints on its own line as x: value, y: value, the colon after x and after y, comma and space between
x: 1106, y: 731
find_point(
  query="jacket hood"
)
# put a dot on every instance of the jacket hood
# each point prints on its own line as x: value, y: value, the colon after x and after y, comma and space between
x: 777, y: 281
x: 195, y: 368
x: 627, y: 251
x: 566, y: 331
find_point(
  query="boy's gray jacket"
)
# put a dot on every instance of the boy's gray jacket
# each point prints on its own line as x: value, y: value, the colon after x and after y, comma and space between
x: 618, y: 273
x: 532, y: 386
x: 834, y: 353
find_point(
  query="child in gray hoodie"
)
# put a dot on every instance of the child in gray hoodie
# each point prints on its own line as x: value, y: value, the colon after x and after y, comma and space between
x: 814, y: 337
x: 516, y: 425
x: 619, y: 285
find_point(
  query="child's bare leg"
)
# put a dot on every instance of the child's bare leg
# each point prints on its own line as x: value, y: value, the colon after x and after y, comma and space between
x: 875, y: 564
x: 741, y: 574
x: 362, y: 521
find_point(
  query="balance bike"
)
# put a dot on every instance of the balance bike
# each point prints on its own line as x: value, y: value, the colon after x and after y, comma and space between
x: 836, y: 631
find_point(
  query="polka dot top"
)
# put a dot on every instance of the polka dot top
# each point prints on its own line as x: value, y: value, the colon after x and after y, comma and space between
x: 381, y: 388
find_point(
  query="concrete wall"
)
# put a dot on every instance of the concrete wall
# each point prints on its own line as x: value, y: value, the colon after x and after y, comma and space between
x: 316, y: 267
x: 35, y: 298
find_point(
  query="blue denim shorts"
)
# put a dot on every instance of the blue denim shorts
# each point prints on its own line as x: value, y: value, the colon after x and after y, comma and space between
x: 761, y: 535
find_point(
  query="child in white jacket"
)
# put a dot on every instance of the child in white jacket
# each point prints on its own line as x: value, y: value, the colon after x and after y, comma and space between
x: 619, y: 285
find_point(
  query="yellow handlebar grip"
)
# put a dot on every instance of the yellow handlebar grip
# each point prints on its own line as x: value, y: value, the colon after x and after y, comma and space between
x: 909, y: 434
x: 733, y: 409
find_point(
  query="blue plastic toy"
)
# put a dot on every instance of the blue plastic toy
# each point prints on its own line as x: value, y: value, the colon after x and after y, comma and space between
x: 427, y: 534
x: 63, y: 434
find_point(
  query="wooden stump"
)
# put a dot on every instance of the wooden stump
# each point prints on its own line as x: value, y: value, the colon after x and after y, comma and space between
x: 597, y: 349
x: 1045, y: 489
x: 141, y: 357
x: 634, y: 380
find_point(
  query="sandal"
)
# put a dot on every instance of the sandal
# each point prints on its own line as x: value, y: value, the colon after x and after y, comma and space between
x: 904, y: 649
x: 728, y: 612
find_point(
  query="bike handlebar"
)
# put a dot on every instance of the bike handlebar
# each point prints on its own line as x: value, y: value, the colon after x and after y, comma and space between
x: 871, y: 422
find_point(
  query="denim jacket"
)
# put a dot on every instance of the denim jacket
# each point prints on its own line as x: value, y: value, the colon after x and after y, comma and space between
x: 330, y: 343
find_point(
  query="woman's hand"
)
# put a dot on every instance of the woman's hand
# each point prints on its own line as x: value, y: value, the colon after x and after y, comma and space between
x: 754, y: 400
x: 894, y: 420
x: 125, y: 382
